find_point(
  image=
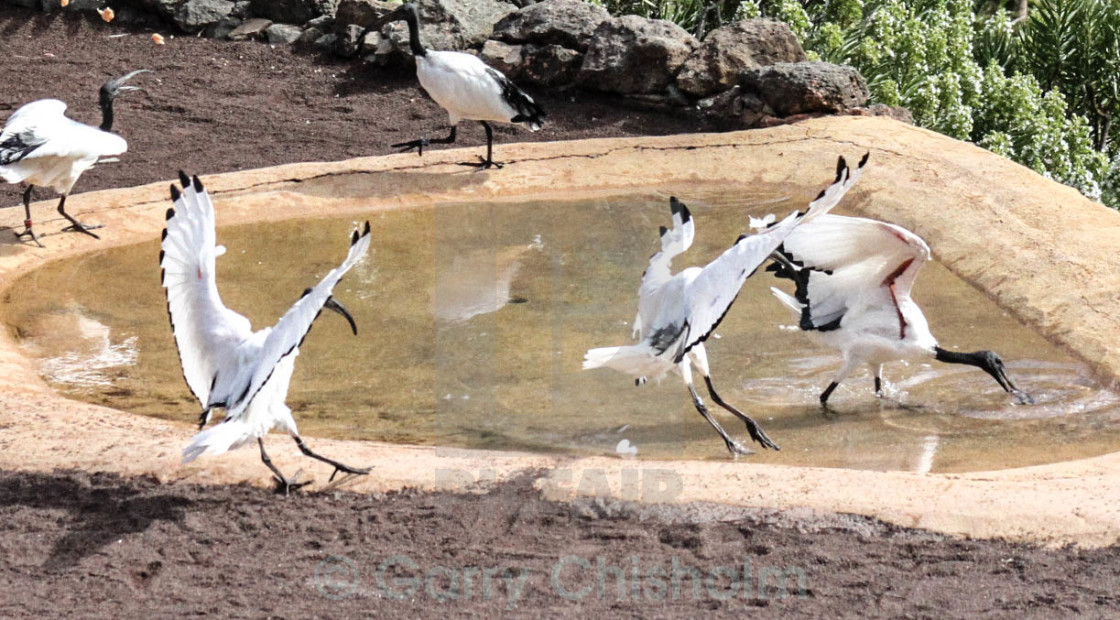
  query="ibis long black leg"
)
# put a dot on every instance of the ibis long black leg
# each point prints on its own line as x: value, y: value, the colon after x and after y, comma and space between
x: 28, y: 232
x: 732, y: 446
x: 283, y: 485
x: 753, y: 427
x: 828, y: 392
x: 75, y: 225
x: 337, y: 466
x: 489, y: 161
x: 423, y: 142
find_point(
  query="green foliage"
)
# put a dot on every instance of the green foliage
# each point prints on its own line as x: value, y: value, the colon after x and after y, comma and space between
x: 695, y: 16
x: 1040, y: 86
x: 1034, y: 92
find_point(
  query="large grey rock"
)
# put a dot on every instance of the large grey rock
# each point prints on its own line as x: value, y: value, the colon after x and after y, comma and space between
x: 635, y: 55
x: 503, y: 57
x: 445, y: 25
x: 223, y: 27
x: 349, y: 41
x: 786, y: 89
x: 570, y: 23
x: 194, y: 15
x: 285, y: 34
x: 550, y: 65
x: 293, y: 11
x: 254, y: 27
x: 362, y: 12
x: 728, y: 51
x: 546, y: 65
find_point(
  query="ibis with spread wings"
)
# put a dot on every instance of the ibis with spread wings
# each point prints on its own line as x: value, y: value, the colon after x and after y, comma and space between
x: 678, y: 312
x: 227, y: 365
x: 853, y: 278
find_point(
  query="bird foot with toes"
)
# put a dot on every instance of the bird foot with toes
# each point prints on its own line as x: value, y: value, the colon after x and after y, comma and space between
x: 285, y: 486
x: 83, y: 228
x: 29, y: 233
x: 482, y: 164
x: 353, y: 471
x: 419, y: 145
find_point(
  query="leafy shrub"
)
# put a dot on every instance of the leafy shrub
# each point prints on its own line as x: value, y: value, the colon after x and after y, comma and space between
x: 1042, y: 90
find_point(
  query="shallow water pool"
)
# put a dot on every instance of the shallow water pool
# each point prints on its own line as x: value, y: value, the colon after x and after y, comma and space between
x: 473, y: 320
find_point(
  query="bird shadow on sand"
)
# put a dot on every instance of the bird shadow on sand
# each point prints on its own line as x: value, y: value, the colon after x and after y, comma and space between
x: 102, y: 508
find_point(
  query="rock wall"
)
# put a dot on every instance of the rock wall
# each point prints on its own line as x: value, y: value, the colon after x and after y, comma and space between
x: 745, y: 74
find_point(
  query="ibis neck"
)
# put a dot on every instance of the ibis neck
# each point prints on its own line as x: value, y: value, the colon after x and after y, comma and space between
x: 952, y: 357
x: 106, y: 113
x: 414, y: 34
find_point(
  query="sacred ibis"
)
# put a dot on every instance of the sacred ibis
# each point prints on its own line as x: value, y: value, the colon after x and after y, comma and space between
x: 677, y: 313
x: 466, y: 87
x: 226, y: 364
x: 41, y: 146
x: 853, y: 278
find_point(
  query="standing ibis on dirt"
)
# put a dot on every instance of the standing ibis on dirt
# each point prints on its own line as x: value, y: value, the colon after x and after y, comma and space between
x: 677, y: 313
x: 226, y: 364
x: 41, y: 146
x: 853, y: 278
x: 466, y: 87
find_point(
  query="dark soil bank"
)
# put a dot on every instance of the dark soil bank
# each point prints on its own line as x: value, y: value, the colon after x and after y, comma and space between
x: 220, y: 106
x: 79, y: 544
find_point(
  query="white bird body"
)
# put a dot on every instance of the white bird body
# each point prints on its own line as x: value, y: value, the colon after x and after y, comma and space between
x: 677, y: 313
x: 41, y: 146
x: 853, y: 279
x: 225, y: 363
x: 466, y: 88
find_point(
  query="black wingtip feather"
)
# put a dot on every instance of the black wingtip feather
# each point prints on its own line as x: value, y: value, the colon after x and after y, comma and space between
x: 679, y: 207
x: 175, y: 193
x: 184, y: 180
x: 170, y: 213
x: 366, y: 230
x: 663, y: 230
x: 354, y: 237
x: 841, y: 166
x: 198, y: 185
x: 161, y: 238
x: 161, y: 256
x: 863, y: 160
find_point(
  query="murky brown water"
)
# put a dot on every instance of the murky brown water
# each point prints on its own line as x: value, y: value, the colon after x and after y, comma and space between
x: 473, y: 320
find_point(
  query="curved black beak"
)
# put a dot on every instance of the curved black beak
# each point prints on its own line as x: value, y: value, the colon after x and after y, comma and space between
x: 116, y: 86
x: 404, y: 12
x: 339, y: 308
x: 995, y: 368
x: 990, y: 363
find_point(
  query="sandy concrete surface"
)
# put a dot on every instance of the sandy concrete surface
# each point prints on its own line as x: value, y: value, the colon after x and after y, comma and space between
x: 1038, y: 248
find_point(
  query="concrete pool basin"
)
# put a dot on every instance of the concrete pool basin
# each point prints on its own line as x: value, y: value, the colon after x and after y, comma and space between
x: 1041, y: 251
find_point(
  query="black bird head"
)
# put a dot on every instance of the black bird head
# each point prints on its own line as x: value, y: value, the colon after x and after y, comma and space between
x: 990, y: 363
x: 409, y: 13
x: 114, y: 87
x: 109, y: 91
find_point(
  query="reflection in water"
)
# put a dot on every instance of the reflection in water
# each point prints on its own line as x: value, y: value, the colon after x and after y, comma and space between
x: 476, y: 282
x: 76, y: 349
x: 925, y: 459
x: 443, y: 357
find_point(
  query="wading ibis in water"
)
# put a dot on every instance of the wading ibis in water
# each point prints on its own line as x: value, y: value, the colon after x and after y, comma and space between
x: 853, y: 278
x: 41, y: 146
x: 677, y: 313
x: 226, y: 364
x: 466, y: 88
